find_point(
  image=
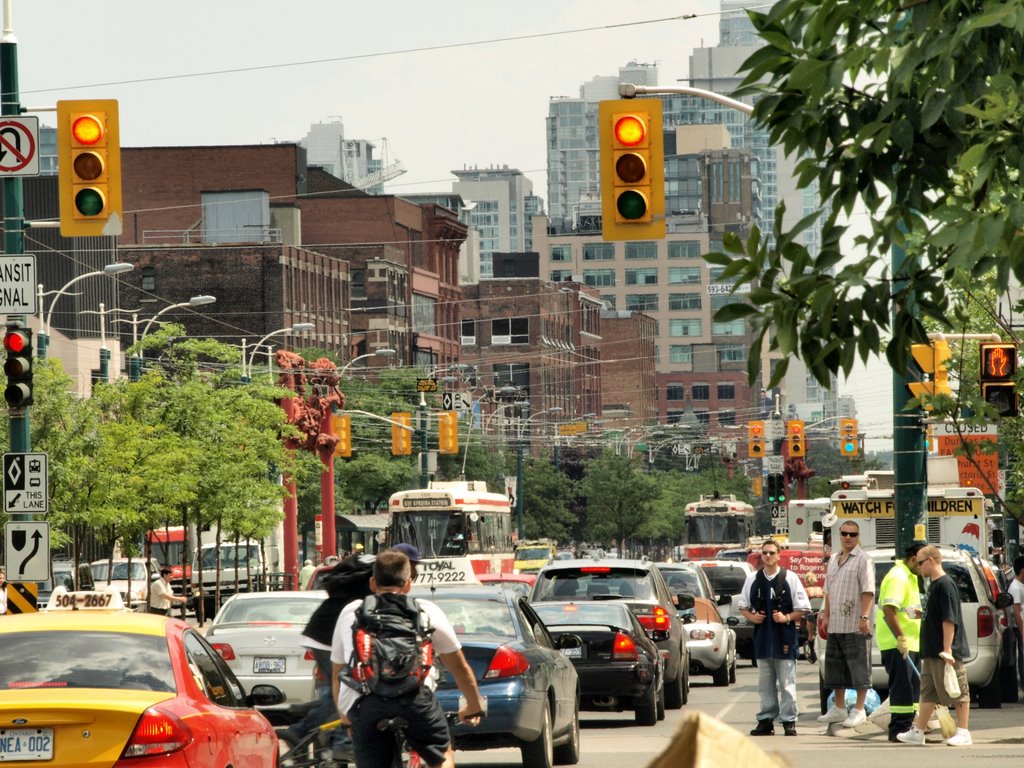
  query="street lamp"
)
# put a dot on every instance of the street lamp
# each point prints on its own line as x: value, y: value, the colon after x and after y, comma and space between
x: 294, y: 328
x: 382, y: 352
x: 195, y: 301
x: 111, y: 270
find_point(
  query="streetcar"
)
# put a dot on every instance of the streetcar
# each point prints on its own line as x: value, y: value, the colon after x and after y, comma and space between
x: 460, y: 528
x: 715, y: 523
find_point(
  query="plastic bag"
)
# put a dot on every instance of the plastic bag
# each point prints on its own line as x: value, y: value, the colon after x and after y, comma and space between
x: 871, y: 702
x: 950, y: 683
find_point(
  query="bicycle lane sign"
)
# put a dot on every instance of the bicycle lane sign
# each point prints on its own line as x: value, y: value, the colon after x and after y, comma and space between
x: 18, y: 146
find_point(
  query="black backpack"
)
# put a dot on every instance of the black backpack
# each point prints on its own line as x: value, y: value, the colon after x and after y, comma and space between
x: 392, y: 651
x: 349, y: 580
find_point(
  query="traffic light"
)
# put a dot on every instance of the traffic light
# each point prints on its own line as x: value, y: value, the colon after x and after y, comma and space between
x: 795, y: 435
x: 932, y: 359
x: 18, y: 367
x: 776, y: 488
x: 401, y: 436
x: 755, y: 439
x: 448, y: 432
x: 343, y: 429
x: 849, y: 438
x: 632, y: 169
x: 89, y: 168
x: 998, y: 376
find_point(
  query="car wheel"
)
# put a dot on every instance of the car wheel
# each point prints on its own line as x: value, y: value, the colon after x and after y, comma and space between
x: 540, y: 751
x: 991, y: 696
x: 646, y: 712
x: 674, y: 695
x: 569, y: 753
x: 732, y: 670
x: 661, y: 701
x: 1008, y: 683
x: 720, y: 676
x: 823, y: 694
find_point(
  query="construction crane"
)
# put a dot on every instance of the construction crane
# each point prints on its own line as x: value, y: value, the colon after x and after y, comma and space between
x: 386, y: 172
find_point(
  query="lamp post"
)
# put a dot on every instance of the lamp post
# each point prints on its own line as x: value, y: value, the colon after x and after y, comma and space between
x: 294, y: 328
x: 382, y: 352
x: 136, y: 362
x: 110, y: 270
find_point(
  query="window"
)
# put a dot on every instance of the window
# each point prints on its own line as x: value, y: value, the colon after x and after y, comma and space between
x: 715, y: 173
x: 512, y: 375
x: 726, y: 390
x: 642, y: 302
x: 468, y: 333
x: 599, y: 277
x: 642, y: 276
x: 689, y: 327
x: 735, y: 181
x: 358, y: 283
x: 684, y: 275
x: 510, y: 330
x: 680, y: 353
x: 424, y: 312
x: 598, y: 251
x: 732, y: 353
x: 684, y: 249
x: 560, y: 275
x: 610, y: 302
x: 148, y: 279
x: 732, y: 328
x: 561, y: 253
x: 684, y: 301
x: 218, y: 683
x: 701, y: 391
x: 674, y: 392
x: 647, y: 249
x: 727, y: 418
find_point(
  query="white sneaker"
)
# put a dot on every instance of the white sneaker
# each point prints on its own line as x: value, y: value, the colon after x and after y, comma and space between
x: 857, y: 716
x: 962, y: 738
x: 834, y: 715
x: 913, y: 736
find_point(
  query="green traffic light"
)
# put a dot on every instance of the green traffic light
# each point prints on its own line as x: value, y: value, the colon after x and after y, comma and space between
x: 631, y: 205
x: 89, y: 202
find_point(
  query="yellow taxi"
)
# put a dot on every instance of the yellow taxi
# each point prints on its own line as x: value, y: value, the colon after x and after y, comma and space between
x: 85, y: 682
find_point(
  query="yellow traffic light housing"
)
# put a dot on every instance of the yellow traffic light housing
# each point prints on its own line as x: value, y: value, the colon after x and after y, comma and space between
x: 755, y: 439
x: 401, y: 436
x: 89, y: 167
x: 849, y: 439
x: 448, y: 432
x: 343, y: 429
x: 933, y: 360
x: 632, y: 169
x: 999, y: 376
x: 796, y: 437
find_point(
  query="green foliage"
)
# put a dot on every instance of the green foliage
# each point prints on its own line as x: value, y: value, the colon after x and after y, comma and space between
x: 546, y: 503
x: 619, y: 499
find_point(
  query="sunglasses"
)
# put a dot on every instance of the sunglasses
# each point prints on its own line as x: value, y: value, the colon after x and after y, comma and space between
x: 923, y: 560
x: 770, y: 553
x: 849, y: 534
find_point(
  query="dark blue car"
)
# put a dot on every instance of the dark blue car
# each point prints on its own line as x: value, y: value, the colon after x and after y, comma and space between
x: 532, y: 690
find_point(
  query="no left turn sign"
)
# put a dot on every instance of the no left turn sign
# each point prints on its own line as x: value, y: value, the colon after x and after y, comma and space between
x: 18, y: 146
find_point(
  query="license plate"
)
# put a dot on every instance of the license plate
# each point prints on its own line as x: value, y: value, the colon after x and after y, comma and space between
x: 273, y: 665
x: 26, y: 744
x: 573, y: 653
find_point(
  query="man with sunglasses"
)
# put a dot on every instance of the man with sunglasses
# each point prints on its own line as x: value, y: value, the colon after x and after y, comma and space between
x: 943, y: 643
x: 846, y: 618
x: 773, y: 600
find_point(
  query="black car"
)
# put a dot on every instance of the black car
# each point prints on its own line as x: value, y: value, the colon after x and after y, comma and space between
x: 619, y: 666
x: 639, y: 584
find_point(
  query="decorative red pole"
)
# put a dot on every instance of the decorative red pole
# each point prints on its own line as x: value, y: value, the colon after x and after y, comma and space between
x: 330, y: 545
x: 291, y: 510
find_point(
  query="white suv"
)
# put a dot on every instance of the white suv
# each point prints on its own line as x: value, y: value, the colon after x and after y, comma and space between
x: 981, y: 604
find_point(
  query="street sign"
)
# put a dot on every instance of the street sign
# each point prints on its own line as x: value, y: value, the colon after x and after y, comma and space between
x: 779, y: 522
x: 775, y: 465
x: 426, y: 385
x: 19, y: 140
x: 26, y: 489
x: 455, y: 401
x: 27, y: 551
x: 572, y: 428
x: 774, y: 429
x: 18, y: 284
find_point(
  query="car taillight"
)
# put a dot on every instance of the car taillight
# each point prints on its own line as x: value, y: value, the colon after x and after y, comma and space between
x: 990, y: 578
x: 656, y: 620
x: 595, y: 569
x: 986, y: 621
x: 506, y: 663
x: 623, y: 648
x: 308, y: 655
x: 157, y: 733
x: 702, y: 634
x: 225, y: 650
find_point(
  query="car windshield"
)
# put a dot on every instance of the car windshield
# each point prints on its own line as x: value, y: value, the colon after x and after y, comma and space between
x: 232, y: 556
x: 289, y: 610
x: 490, y: 616
x: 683, y: 580
x: 725, y: 580
x: 594, y: 583
x: 605, y: 614
x: 119, y: 572
x: 80, y: 659
x: 533, y: 553
x: 959, y: 572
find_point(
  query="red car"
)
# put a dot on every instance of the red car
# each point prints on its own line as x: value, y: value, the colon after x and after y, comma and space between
x: 95, y: 685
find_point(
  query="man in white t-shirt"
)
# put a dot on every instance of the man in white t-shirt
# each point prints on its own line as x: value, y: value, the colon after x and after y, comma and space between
x: 161, y: 596
x: 1016, y: 589
x: 428, y: 730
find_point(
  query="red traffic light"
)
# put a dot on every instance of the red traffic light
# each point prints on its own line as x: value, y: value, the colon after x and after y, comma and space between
x: 630, y: 130
x: 998, y: 361
x: 16, y: 342
x: 87, y: 130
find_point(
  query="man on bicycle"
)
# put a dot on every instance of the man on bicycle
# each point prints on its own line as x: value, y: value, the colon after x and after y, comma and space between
x: 427, y: 731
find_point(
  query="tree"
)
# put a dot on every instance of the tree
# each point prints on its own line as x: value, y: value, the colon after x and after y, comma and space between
x: 912, y: 111
x: 619, y: 499
x: 546, y: 503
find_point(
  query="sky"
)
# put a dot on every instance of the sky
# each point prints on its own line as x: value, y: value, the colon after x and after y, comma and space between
x: 449, y: 85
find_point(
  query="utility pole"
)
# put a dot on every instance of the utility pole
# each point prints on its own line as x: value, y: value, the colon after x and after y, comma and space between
x: 424, y: 457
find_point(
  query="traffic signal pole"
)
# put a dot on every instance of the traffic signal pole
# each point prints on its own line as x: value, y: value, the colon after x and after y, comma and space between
x: 14, y: 204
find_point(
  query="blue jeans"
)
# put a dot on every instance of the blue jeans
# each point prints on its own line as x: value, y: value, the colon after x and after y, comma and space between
x: 776, y: 685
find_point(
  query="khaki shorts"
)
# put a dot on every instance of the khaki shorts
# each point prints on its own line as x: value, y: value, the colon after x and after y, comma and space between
x: 932, y: 690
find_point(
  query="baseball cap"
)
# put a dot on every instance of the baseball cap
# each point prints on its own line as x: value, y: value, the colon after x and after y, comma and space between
x: 409, y: 551
x: 915, y: 547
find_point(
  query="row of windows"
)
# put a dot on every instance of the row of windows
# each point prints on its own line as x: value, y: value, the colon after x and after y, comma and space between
x: 677, y: 249
x: 640, y: 276
x: 726, y: 390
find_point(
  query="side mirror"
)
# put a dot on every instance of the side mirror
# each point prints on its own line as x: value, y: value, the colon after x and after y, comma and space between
x: 733, y: 621
x: 1004, y: 600
x: 684, y: 602
x: 724, y: 600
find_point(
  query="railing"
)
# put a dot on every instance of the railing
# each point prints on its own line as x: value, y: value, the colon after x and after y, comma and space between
x: 247, y: 234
